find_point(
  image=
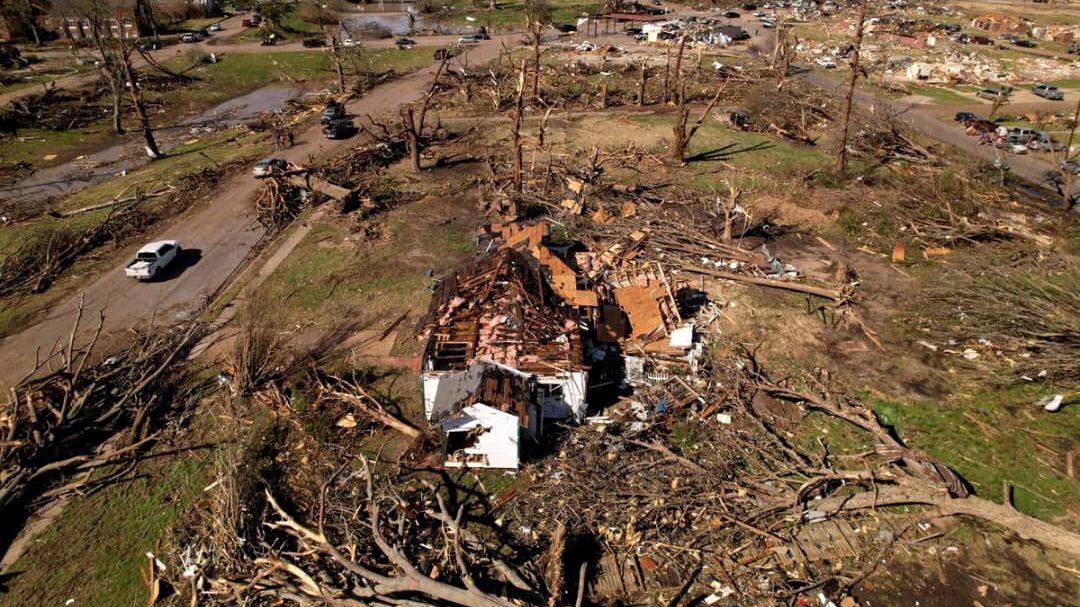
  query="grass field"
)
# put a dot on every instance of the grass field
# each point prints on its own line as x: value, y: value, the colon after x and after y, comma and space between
x: 942, y: 96
x: 122, y: 523
x: 995, y: 437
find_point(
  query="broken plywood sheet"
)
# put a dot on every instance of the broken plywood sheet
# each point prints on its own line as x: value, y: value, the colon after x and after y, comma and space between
x: 612, y: 325
x: 642, y: 308
x: 517, y: 236
x: 564, y: 279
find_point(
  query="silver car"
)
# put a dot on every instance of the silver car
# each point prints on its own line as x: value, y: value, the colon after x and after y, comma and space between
x: 1048, y: 91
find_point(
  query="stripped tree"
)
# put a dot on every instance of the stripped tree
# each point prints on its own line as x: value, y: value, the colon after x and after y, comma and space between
x: 845, y: 115
x: 108, y: 34
x: 412, y: 123
x: 326, y: 14
x: 681, y: 135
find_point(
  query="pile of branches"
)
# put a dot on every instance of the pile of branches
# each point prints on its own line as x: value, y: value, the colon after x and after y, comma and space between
x: 795, y: 113
x: 1033, y: 315
x: 886, y: 143
x: 678, y: 500
x: 10, y: 172
x: 369, y: 539
x: 280, y: 202
x: 75, y: 414
x: 52, y: 110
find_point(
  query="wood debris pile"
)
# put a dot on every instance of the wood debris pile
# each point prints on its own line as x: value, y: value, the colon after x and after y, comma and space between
x: 75, y: 415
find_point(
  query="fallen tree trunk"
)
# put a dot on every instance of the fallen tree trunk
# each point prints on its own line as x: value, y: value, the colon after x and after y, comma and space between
x: 907, y: 493
x: 831, y: 294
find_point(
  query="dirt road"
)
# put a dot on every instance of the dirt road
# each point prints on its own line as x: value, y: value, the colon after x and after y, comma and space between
x: 221, y: 234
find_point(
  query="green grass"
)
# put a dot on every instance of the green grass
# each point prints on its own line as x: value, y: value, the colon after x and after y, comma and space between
x: 378, y: 280
x: 757, y: 153
x: 236, y: 74
x: 33, y: 145
x: 93, y: 552
x: 193, y: 24
x: 941, y: 96
x: 1016, y: 442
x: 511, y: 13
x: 191, y: 157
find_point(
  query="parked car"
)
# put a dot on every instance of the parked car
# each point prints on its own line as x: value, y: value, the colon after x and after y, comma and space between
x: 151, y: 260
x: 349, y: 43
x: 333, y: 111
x: 265, y: 168
x: 992, y: 94
x: 468, y: 40
x: 190, y: 37
x: 1020, y: 135
x: 1048, y: 91
x: 1023, y: 42
x: 403, y: 42
x: 342, y: 128
x: 1018, y: 148
x: 965, y: 117
x: 270, y: 40
x: 1074, y: 48
x: 732, y: 15
x: 826, y: 62
x: 1045, y: 143
x: 313, y: 42
x: 252, y: 21
x: 214, y: 27
x: 1072, y: 166
x: 982, y: 40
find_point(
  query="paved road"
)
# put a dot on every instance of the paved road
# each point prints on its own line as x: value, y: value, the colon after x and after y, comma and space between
x: 924, y: 119
x: 224, y: 231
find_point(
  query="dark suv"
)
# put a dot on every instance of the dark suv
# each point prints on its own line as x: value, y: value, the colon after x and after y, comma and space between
x: 342, y: 128
x: 334, y: 111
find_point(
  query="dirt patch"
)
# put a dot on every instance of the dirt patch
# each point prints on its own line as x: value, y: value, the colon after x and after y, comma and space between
x: 978, y: 566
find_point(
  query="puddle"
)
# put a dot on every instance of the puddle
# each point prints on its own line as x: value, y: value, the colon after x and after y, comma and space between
x: 93, y: 168
x: 393, y: 17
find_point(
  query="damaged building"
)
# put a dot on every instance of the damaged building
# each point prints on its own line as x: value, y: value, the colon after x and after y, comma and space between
x: 501, y: 344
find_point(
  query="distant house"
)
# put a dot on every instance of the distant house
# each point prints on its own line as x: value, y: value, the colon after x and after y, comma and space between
x: 127, y: 20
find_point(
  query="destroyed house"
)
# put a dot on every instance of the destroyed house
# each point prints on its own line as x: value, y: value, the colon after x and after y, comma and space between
x: 499, y: 336
x: 488, y: 411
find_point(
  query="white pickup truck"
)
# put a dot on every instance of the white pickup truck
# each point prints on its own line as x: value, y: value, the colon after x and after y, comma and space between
x: 152, y: 259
